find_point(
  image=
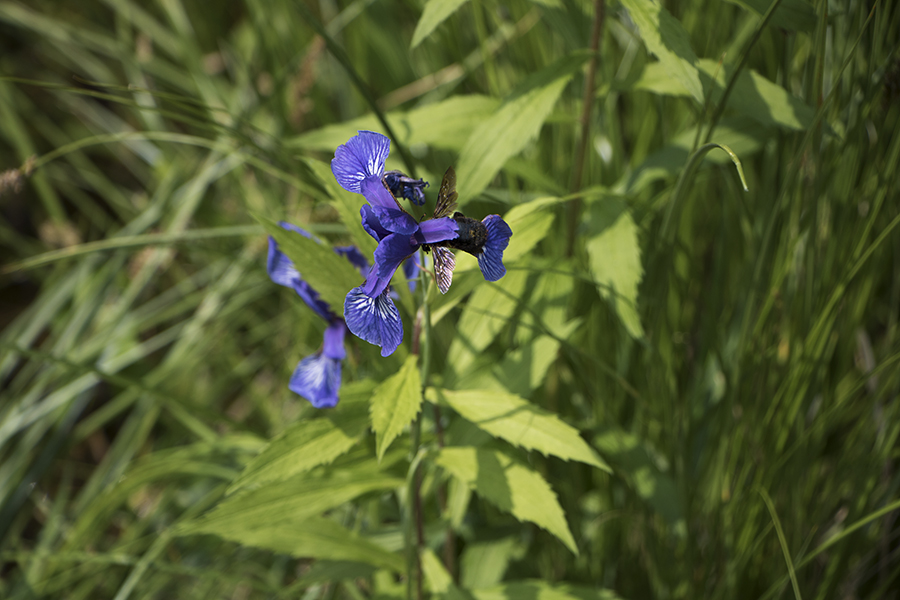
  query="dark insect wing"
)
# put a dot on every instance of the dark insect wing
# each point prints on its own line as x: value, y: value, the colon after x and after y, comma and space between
x: 446, y: 200
x: 444, y: 263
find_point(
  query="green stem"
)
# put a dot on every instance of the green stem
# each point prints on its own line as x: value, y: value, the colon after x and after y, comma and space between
x: 720, y: 107
x: 574, y: 209
x: 361, y: 85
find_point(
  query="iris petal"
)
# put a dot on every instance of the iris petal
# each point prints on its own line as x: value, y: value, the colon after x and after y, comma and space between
x: 361, y: 158
x: 437, y: 230
x: 378, y: 195
x: 333, y: 340
x: 396, y: 220
x: 280, y: 268
x: 490, y: 260
x: 318, y: 379
x: 374, y: 319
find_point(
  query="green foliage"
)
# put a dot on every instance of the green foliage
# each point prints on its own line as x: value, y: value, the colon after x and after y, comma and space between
x: 510, y: 486
x: 684, y: 386
x: 667, y: 39
x: 395, y: 403
x: 511, y: 418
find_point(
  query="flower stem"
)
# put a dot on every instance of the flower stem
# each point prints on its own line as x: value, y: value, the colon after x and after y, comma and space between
x: 421, y: 346
x: 587, y: 105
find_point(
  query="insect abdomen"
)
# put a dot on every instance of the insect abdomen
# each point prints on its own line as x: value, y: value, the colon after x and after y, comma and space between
x: 472, y: 234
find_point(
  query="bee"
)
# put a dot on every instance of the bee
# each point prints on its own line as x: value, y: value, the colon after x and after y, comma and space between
x: 473, y: 234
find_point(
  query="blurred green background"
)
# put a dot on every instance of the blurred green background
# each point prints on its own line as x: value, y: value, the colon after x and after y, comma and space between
x: 733, y: 355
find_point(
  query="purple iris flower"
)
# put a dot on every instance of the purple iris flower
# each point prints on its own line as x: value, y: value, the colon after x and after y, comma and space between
x: 318, y: 376
x: 369, y: 311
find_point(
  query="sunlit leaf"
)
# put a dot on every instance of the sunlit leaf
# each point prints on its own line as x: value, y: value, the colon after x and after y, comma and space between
x: 520, y: 423
x: 308, y: 444
x: 753, y: 95
x: 484, y: 315
x: 667, y: 39
x: 439, y: 581
x: 543, y: 590
x: 314, y: 537
x: 512, y: 127
x: 483, y: 564
x: 446, y: 124
x: 509, y: 486
x: 435, y: 13
x: 395, y: 403
x: 615, y: 258
x: 297, y: 498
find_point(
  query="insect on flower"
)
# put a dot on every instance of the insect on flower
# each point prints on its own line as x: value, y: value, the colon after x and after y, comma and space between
x: 485, y: 240
x: 358, y: 166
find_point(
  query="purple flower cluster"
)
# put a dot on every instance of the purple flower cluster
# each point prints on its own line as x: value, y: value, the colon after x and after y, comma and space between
x: 369, y: 310
x: 318, y: 376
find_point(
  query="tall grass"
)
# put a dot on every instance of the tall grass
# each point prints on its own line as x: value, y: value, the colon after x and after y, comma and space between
x: 732, y: 354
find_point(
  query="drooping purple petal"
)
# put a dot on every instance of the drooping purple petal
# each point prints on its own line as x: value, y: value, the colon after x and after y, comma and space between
x: 378, y: 195
x: 311, y: 297
x: 371, y: 223
x: 333, y: 340
x: 432, y: 231
x: 318, y: 379
x: 490, y: 260
x: 279, y: 267
x: 283, y: 272
x: 374, y: 319
x: 391, y: 251
x: 360, y: 159
x: 403, y: 186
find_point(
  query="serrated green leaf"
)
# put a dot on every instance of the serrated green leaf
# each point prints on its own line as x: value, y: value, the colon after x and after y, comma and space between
x: 303, y: 446
x: 523, y: 370
x: 509, y: 486
x: 543, y: 590
x: 667, y: 39
x: 435, y: 13
x: 485, y: 314
x: 446, y: 124
x: 634, y: 459
x: 753, y: 95
x: 512, y: 127
x: 615, y: 258
x: 326, y: 271
x: 794, y: 15
x: 315, y: 537
x: 395, y: 403
x: 483, y: 564
x: 520, y: 423
x: 439, y: 581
